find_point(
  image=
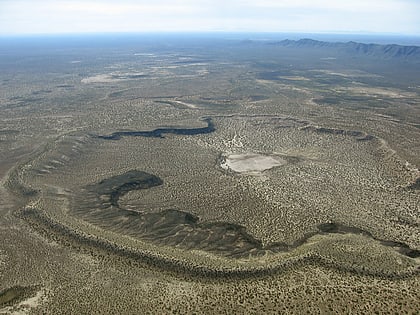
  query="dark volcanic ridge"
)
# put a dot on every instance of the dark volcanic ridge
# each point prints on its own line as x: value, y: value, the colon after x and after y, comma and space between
x: 415, y: 185
x: 172, y: 227
x: 358, y: 135
x: 14, y: 295
x: 159, y: 132
x: 180, y: 229
x: 374, y: 50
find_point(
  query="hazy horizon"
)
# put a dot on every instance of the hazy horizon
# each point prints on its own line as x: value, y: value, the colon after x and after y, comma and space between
x: 220, y: 36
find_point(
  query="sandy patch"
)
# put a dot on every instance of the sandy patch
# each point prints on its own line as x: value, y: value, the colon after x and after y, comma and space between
x: 113, y: 77
x: 100, y: 78
x: 294, y: 78
x: 379, y: 92
x: 348, y: 73
x: 251, y: 163
x: 189, y: 105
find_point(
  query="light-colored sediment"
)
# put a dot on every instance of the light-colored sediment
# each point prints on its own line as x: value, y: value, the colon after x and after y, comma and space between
x: 251, y: 163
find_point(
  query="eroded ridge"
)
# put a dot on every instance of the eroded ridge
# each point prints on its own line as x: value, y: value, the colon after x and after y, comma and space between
x: 359, y: 135
x: 181, y: 228
x: 14, y: 295
x: 159, y: 132
x: 172, y: 227
x: 415, y: 185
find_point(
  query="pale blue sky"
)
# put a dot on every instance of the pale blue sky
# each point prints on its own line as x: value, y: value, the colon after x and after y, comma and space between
x: 309, y: 16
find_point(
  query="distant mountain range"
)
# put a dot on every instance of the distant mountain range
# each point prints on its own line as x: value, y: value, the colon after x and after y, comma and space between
x: 376, y: 50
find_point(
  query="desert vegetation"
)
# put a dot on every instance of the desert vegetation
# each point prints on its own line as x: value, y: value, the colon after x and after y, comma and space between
x: 189, y: 180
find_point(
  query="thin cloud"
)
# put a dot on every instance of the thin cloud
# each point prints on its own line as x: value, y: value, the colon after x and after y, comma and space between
x: 65, y: 16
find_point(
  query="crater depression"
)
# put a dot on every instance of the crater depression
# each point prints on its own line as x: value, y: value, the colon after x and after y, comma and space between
x: 178, y: 196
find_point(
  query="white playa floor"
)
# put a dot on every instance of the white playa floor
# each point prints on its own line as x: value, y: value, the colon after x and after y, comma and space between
x: 251, y: 162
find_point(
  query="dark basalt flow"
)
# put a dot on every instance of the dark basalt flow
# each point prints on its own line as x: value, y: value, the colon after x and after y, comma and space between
x: 342, y: 229
x: 415, y: 185
x: 119, y: 185
x: 358, y: 135
x: 158, y: 133
x: 51, y: 228
x: 402, y: 248
x: 100, y: 206
x: 14, y: 295
x: 169, y: 227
